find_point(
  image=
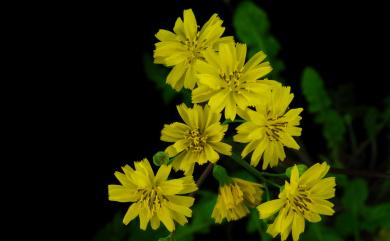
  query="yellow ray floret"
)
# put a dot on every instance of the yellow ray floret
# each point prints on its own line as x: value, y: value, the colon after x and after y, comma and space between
x: 235, y: 198
x: 153, y: 197
x: 185, y: 46
x: 197, y: 140
x: 270, y: 128
x: 226, y: 82
x: 303, y: 198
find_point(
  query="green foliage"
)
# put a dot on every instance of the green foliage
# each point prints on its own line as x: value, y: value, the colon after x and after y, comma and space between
x: 371, y: 122
x: 314, y: 91
x: 201, y: 217
x: 320, y: 104
x: 157, y: 74
x: 251, y: 25
x: 376, y: 216
x: 355, y: 196
x: 255, y: 224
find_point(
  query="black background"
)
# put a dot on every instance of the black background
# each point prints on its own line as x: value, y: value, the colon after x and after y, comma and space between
x: 96, y: 110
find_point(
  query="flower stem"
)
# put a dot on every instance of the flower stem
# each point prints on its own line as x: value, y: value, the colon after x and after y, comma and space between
x: 203, y: 176
x: 236, y: 157
x: 228, y: 121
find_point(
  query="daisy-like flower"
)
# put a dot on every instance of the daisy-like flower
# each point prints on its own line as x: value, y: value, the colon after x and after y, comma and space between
x: 154, y: 198
x: 225, y: 81
x: 235, y: 198
x: 303, y: 198
x: 269, y: 129
x: 183, y: 48
x: 197, y: 140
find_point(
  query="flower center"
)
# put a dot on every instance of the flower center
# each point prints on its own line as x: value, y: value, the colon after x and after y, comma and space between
x: 195, y: 48
x: 273, y: 128
x: 299, y: 200
x: 232, y: 80
x: 152, y: 199
x: 196, y: 140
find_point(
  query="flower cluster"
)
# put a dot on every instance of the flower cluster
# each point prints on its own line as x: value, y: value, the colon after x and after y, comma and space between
x: 226, y: 89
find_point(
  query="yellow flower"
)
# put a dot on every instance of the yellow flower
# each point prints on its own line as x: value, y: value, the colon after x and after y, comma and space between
x: 154, y: 198
x: 234, y: 198
x: 303, y: 198
x: 183, y: 48
x: 226, y: 82
x: 269, y: 129
x: 197, y: 140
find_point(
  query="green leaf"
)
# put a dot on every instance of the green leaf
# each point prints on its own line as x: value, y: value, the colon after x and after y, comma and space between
x: 346, y: 217
x: 319, y: 232
x: 376, y: 216
x: 355, y: 196
x: 201, y: 217
x: 251, y: 25
x: 314, y: 91
x: 157, y: 74
x: 372, y: 122
x: 333, y: 129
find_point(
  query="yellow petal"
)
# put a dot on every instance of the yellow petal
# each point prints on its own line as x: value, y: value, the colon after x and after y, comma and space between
x: 298, y: 226
x: 162, y: 173
x: 120, y: 193
x: 175, y: 78
x: 165, y: 35
x: 131, y: 213
x: 222, y: 148
x: 155, y: 222
x: 190, y: 26
x: 144, y: 218
x: 269, y: 208
x: 165, y: 217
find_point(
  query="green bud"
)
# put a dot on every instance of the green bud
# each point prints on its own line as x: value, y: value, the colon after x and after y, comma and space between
x: 219, y: 172
x: 161, y: 158
x: 301, y: 169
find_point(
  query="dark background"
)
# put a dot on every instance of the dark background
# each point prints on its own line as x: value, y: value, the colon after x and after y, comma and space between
x: 103, y: 112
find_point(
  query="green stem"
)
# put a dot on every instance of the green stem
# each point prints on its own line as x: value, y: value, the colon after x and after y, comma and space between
x: 236, y: 157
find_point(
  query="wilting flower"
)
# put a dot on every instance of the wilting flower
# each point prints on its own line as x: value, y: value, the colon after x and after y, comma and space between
x: 235, y: 198
x: 226, y: 82
x: 197, y: 140
x: 303, y: 198
x: 183, y: 48
x: 269, y: 129
x: 154, y: 198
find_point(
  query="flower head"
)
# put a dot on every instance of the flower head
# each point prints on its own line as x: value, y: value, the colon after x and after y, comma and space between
x: 197, y: 140
x: 225, y: 81
x: 235, y: 198
x: 183, y: 48
x: 269, y: 129
x: 303, y: 198
x: 154, y: 198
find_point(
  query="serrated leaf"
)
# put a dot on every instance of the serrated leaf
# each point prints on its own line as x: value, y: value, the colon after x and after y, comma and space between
x: 314, y: 91
x: 157, y: 74
x: 355, y: 196
x: 333, y: 129
x: 252, y: 27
